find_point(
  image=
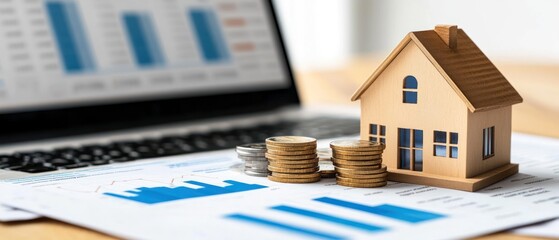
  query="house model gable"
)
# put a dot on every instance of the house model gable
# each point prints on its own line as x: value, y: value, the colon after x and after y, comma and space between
x: 442, y: 109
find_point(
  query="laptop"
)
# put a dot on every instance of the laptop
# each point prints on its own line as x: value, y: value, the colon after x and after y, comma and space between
x: 87, y: 83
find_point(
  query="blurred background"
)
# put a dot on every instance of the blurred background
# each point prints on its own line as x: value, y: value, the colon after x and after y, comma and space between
x: 325, y: 33
x: 337, y: 44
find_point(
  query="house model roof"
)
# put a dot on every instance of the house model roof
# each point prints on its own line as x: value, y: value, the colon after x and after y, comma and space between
x: 464, y: 66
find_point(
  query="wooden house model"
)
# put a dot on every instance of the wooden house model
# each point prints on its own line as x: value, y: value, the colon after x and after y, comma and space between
x: 442, y: 109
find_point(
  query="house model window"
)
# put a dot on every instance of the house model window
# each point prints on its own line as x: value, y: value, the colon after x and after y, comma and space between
x: 488, y: 142
x: 410, y: 149
x: 377, y: 133
x: 446, y: 145
x: 410, y: 90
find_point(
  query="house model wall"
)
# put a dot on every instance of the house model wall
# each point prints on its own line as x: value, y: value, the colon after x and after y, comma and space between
x: 442, y: 109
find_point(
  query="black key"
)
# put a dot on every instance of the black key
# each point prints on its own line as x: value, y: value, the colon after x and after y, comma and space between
x: 77, y: 165
x: 115, y: 153
x: 24, y: 166
x: 146, y: 151
x: 9, y: 160
x: 86, y: 158
x: 37, y: 169
x: 15, y: 167
x: 59, y: 162
x: 123, y: 159
x: 133, y: 155
x: 23, y: 156
x: 103, y: 158
x: 100, y: 162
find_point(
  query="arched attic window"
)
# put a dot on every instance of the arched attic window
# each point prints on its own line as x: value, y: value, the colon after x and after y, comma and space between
x: 410, y: 90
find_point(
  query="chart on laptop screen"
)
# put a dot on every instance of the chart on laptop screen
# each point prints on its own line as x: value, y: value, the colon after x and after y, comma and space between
x: 79, y: 51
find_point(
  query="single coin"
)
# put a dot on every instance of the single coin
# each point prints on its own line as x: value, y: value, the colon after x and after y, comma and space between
x: 361, y: 185
x: 290, y: 170
x: 257, y: 165
x: 356, y: 145
x: 256, y: 162
x: 287, y: 158
x: 265, y: 167
x: 260, y: 170
x: 293, y: 166
x: 363, y: 176
x: 256, y: 174
x: 291, y: 141
x: 362, y: 180
x: 361, y: 158
x: 349, y: 171
x: 327, y: 173
x: 356, y: 153
x: 263, y: 158
x: 291, y: 153
x: 295, y: 175
x: 291, y: 148
x: 252, y: 147
x: 356, y: 163
x: 306, y: 161
x: 360, y: 168
x: 293, y: 180
x: 251, y: 154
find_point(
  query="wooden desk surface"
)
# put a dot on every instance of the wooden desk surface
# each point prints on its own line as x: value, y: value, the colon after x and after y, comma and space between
x: 539, y: 114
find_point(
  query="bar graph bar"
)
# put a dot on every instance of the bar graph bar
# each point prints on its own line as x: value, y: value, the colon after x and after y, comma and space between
x: 386, y: 210
x: 143, y: 39
x: 70, y: 37
x: 209, y: 35
x: 329, y: 218
x: 285, y: 227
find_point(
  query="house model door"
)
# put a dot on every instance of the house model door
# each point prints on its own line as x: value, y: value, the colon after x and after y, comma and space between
x: 410, y: 149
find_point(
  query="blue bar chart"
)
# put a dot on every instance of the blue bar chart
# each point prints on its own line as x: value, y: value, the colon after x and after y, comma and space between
x: 69, y: 32
x: 156, y: 195
x: 143, y: 39
x: 338, y: 213
x: 209, y: 35
x: 385, y: 210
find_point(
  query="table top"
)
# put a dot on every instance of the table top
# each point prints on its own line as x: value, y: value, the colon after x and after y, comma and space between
x: 539, y: 115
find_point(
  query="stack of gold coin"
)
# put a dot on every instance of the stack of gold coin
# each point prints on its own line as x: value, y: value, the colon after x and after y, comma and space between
x: 358, y: 163
x: 292, y: 159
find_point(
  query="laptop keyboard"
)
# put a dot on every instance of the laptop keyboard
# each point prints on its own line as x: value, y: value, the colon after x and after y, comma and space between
x: 126, y: 151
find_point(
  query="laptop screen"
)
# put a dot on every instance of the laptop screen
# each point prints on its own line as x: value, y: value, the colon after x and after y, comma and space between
x: 69, y: 53
x: 83, y: 66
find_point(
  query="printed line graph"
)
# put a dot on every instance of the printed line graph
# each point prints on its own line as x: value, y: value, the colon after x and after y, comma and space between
x: 154, y: 191
x: 100, y: 188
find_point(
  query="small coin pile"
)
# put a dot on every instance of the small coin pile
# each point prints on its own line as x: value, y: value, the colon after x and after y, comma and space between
x: 358, y: 163
x: 325, y: 163
x: 254, y: 157
x: 292, y: 159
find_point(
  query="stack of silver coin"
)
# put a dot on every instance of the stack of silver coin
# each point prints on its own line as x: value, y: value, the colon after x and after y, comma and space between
x: 254, y: 157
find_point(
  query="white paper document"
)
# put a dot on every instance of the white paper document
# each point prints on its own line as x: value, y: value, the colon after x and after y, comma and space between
x: 8, y: 214
x: 206, y: 196
x: 547, y: 230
